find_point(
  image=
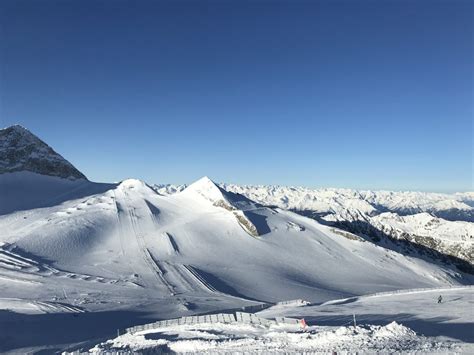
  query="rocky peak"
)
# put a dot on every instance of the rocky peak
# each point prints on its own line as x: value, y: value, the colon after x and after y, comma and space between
x: 21, y: 150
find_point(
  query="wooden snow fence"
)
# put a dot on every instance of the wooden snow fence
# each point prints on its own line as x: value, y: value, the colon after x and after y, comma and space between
x: 190, y: 320
x: 239, y: 317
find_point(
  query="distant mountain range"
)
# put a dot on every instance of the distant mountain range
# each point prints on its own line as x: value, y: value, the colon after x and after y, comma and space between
x: 68, y: 244
x: 439, y: 222
x: 455, y: 207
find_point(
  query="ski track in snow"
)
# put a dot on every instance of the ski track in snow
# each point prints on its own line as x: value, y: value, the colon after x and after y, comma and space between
x: 11, y: 261
x: 177, y: 278
x: 44, y: 306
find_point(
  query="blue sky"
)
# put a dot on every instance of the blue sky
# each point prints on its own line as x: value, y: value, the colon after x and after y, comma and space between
x: 357, y: 94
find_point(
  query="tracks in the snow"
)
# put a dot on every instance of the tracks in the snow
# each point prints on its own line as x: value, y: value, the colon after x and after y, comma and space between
x: 26, y: 305
x: 185, y: 278
x: 14, y: 261
x: 176, y: 277
x: 148, y: 257
x: 57, y: 307
x: 206, y: 285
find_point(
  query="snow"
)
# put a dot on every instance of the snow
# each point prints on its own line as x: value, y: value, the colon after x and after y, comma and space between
x: 367, y: 202
x: 230, y: 338
x: 79, y: 260
x: 411, y: 215
x: 28, y: 190
x: 207, y: 189
x: 380, y: 327
x: 457, y: 206
x: 424, y: 224
x: 452, y: 320
x: 438, y: 222
x: 125, y: 249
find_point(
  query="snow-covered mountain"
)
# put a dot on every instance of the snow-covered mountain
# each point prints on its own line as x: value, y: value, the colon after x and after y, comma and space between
x: 202, y: 239
x: 20, y: 150
x: 74, y: 246
x: 439, y: 222
x: 456, y: 207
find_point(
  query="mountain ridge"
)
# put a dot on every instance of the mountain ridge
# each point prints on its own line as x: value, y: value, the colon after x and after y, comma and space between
x: 21, y: 150
x: 375, y: 214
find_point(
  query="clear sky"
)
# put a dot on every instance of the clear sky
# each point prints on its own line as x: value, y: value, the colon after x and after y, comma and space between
x: 357, y: 94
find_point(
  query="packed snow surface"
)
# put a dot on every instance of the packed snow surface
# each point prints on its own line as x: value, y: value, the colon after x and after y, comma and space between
x: 381, y: 325
x: 418, y: 309
x: 251, y: 338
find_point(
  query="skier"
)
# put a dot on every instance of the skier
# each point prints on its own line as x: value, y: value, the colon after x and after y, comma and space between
x: 440, y: 299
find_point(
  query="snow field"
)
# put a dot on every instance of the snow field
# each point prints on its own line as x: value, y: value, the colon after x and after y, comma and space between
x: 253, y: 338
x: 128, y: 256
x: 383, y: 325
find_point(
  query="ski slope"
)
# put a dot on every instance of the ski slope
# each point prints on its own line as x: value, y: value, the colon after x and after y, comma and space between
x: 117, y: 255
x: 131, y: 234
x: 403, y: 321
x: 442, y: 223
x: 418, y: 309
